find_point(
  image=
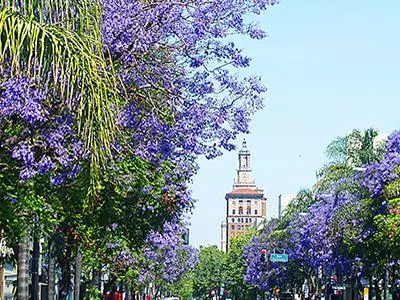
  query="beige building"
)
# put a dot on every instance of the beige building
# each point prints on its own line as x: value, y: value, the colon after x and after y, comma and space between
x: 246, y: 205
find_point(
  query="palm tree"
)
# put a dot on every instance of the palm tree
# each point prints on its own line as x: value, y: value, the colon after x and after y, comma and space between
x: 349, y: 152
x: 357, y: 148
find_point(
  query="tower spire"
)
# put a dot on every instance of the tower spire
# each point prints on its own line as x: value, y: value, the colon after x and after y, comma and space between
x: 244, y: 177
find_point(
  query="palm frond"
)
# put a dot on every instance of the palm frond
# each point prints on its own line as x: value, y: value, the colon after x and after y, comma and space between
x: 58, y: 44
x: 73, y: 63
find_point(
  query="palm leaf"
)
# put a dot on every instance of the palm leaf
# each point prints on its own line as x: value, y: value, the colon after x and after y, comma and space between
x: 67, y: 57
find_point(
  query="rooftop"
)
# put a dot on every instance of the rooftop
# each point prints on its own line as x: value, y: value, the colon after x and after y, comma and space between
x: 245, y: 192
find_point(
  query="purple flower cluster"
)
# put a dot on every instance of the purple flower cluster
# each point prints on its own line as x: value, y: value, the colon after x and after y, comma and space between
x: 37, y: 139
x: 167, y: 258
x: 175, y: 49
x: 379, y: 174
x: 20, y: 97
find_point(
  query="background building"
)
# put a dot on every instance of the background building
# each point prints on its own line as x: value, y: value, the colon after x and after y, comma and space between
x: 246, y: 205
x: 283, y: 202
x: 223, y: 235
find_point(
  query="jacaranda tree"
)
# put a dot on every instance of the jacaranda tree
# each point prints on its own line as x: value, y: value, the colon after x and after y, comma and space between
x: 104, y: 108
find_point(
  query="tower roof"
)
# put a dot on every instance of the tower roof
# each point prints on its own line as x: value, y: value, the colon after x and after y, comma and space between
x: 245, y: 193
x: 244, y: 149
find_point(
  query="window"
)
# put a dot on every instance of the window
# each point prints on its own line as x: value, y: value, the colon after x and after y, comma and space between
x: 233, y: 227
x: 233, y: 220
x: 255, y: 212
x: 250, y: 220
x: 240, y: 210
x: 233, y: 211
x: 241, y: 220
x: 247, y: 220
x: 248, y: 211
x: 232, y: 234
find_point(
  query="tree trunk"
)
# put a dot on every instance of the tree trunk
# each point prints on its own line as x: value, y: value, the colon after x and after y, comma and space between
x: 52, y: 274
x: 64, y: 260
x: 78, y: 273
x: 35, y: 268
x: 23, y: 267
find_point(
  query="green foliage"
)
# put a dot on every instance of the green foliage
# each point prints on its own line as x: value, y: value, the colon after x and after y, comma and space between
x: 235, y: 268
x: 209, y: 272
x: 183, y: 288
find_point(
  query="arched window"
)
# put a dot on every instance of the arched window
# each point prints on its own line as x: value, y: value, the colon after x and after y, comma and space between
x: 248, y: 212
x: 240, y: 210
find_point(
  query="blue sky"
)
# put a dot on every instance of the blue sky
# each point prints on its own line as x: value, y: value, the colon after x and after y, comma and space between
x: 330, y: 67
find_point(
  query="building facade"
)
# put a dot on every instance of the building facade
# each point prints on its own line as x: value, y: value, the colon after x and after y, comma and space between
x: 246, y: 205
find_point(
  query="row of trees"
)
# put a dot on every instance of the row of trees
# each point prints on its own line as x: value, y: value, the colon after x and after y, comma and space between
x: 345, y: 228
x: 104, y: 108
x: 218, y: 274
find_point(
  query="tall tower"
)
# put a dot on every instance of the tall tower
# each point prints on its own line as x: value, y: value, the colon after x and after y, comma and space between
x: 246, y: 205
